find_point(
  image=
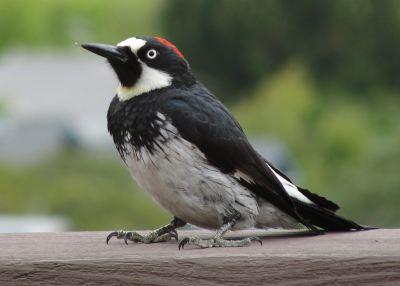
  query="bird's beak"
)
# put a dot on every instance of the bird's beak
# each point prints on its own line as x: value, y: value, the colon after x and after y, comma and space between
x: 107, y: 51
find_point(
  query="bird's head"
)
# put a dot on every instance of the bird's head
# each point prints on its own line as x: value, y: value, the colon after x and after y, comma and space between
x: 145, y: 64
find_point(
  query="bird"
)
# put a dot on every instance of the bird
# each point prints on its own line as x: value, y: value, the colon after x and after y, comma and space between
x: 184, y: 147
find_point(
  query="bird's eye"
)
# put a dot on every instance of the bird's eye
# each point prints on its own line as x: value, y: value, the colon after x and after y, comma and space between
x: 151, y: 54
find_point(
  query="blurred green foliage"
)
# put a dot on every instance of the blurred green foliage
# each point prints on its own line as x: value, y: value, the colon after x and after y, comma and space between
x: 322, y: 76
x: 39, y: 23
x: 354, y: 44
x: 92, y: 190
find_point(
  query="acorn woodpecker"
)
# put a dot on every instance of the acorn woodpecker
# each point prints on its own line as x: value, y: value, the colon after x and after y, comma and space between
x: 185, y: 148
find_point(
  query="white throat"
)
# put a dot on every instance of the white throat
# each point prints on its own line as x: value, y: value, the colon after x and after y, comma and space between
x: 150, y: 79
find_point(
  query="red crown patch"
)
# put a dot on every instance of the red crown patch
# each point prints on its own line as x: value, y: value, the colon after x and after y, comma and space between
x: 171, y: 45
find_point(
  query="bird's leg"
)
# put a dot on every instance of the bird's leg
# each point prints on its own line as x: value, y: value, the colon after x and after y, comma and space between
x: 217, y: 240
x: 161, y: 234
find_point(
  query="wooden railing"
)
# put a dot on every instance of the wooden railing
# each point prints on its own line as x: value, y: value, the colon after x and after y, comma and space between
x: 82, y: 258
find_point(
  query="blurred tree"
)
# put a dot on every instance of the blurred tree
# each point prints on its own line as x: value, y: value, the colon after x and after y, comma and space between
x: 94, y: 191
x: 233, y: 44
x: 39, y: 23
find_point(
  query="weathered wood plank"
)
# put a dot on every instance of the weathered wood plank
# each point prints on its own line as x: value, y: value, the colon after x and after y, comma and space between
x: 371, y: 257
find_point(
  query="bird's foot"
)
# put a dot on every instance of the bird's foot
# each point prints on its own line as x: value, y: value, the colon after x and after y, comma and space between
x: 216, y: 242
x: 152, y: 237
x: 161, y: 234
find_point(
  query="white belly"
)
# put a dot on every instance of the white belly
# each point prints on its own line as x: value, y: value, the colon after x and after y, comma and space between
x: 180, y: 179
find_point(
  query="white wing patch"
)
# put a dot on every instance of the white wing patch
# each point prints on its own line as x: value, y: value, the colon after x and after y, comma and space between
x: 240, y: 175
x: 290, y: 188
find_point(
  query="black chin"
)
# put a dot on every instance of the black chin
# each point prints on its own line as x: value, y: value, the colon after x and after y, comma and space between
x: 122, y: 60
x: 128, y: 73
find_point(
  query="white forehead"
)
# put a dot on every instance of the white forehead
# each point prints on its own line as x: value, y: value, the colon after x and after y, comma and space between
x: 134, y: 43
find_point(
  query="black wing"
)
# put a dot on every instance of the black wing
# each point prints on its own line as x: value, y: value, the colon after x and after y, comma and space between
x: 204, y: 121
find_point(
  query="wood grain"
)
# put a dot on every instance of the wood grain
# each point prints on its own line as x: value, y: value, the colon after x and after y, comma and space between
x: 83, y: 258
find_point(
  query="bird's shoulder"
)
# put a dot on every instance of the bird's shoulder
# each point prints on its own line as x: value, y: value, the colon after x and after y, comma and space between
x: 205, y: 122
x: 198, y: 107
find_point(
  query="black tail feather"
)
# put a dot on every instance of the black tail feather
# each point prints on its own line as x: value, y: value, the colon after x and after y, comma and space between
x: 319, y: 200
x: 325, y: 219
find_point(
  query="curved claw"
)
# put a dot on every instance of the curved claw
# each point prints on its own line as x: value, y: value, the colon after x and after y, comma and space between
x: 174, y: 234
x: 114, y: 233
x: 255, y: 238
x: 183, y: 243
x: 127, y: 237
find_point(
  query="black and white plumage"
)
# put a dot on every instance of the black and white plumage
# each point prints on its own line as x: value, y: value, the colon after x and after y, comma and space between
x: 184, y: 147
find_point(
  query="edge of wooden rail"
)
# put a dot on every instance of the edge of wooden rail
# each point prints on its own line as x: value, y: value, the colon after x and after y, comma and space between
x: 285, y: 258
